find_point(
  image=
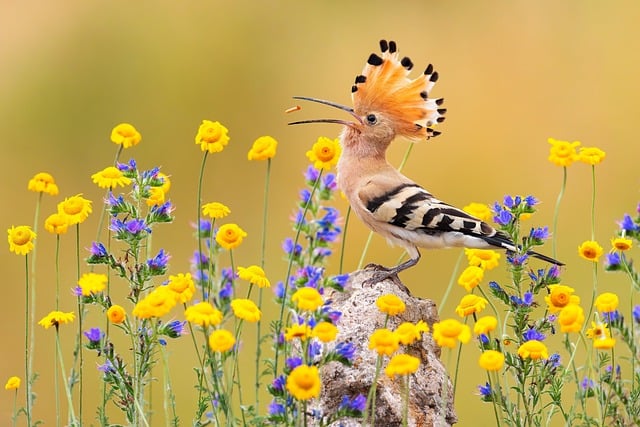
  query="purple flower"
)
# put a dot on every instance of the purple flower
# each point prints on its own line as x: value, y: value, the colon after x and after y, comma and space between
x: 174, y: 329
x: 162, y: 212
x: 278, y: 384
x: 610, y: 316
x: 127, y: 167
x: 613, y: 260
x: 200, y: 260
x: 526, y: 300
x: 554, y: 272
x: 276, y: 408
x: 356, y: 404
x: 205, y: 228
x: 289, y: 248
x: 510, y: 202
x: 532, y: 334
x: 94, y: 335
x: 311, y: 174
x: 517, y: 260
x: 540, y: 233
x: 485, y: 390
x: 158, y: 263
x: 503, y: 217
x: 226, y: 291
x: 151, y: 173
x: 305, y: 196
x: 554, y: 360
x: 98, y: 251
x: 636, y: 313
x: 279, y: 290
x: 106, y: 367
x: 329, y: 182
x: 587, y: 383
x: 333, y: 315
x: 340, y: 280
x: 628, y: 224
x: 530, y: 201
x: 293, y: 362
x: 315, y: 349
x: 77, y: 291
x: 484, y: 339
x: 346, y: 350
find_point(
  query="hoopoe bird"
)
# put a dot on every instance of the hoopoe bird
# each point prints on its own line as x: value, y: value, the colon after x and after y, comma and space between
x: 388, y: 104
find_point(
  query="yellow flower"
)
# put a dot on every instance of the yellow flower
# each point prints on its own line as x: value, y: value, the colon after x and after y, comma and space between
x: 76, y: 209
x: 533, y: 349
x: 621, y: 243
x: 92, y: 283
x: 166, y: 182
x: 590, y: 250
x: 601, y: 336
x: 212, y: 136
x: 245, y: 309
x: 560, y: 296
x: 56, y: 223
x: 13, y: 383
x: 221, y: 340
x: 229, y: 236
x: 607, y: 302
x: 479, y: 210
x: 470, y: 304
x: 159, y: 302
x: 203, y: 314
x: 255, y: 275
x: 43, y: 183
x: 21, y: 239
x: 402, y: 364
x: 485, y: 324
x: 408, y: 332
x: 390, y: 304
x: 126, y: 135
x: 156, y: 196
x: 447, y: 332
x: 56, y: 318
x: 486, y: 259
x: 325, y: 331
x: 215, y: 210
x: 307, y: 298
x: 591, y: 155
x: 325, y: 153
x: 604, y: 343
x: 182, y: 286
x: 491, y: 360
x: 471, y: 277
x: 263, y: 148
x: 302, y: 332
x: 563, y: 153
x: 571, y: 318
x: 116, y: 314
x: 110, y: 177
x: 304, y: 382
x: 383, y: 341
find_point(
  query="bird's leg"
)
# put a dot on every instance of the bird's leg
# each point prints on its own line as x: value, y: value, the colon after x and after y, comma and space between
x: 383, y: 274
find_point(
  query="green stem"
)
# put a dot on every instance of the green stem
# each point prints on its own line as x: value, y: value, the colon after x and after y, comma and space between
x: 205, y: 289
x: 169, y: 396
x: 370, y: 412
x: 593, y: 202
x: 405, y: 401
x: 289, y: 267
x: 55, y: 362
x: 27, y: 356
x: 452, y: 279
x: 67, y: 388
x: 556, y: 213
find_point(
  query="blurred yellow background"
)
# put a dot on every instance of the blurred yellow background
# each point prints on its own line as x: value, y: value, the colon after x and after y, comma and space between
x: 513, y: 73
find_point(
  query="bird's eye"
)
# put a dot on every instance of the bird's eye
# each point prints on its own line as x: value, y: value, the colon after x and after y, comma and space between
x: 371, y: 119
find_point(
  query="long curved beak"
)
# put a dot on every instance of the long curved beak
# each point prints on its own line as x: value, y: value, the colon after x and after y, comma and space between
x: 331, y: 104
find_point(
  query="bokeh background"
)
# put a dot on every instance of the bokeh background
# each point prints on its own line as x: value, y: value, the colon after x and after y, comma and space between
x: 513, y: 74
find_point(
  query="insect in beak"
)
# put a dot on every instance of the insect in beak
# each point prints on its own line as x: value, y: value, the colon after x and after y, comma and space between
x: 331, y: 104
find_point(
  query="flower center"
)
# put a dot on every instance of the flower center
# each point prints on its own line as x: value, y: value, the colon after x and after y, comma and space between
x: 20, y: 237
x: 325, y: 153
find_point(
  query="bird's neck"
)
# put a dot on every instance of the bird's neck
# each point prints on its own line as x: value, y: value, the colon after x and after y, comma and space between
x: 360, y: 159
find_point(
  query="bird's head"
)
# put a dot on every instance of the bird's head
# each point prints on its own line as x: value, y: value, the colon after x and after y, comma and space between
x: 387, y: 103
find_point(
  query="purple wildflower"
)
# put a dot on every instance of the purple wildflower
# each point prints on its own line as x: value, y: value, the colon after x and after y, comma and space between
x: 539, y: 233
x: 636, y: 313
x: 311, y: 174
x: 94, y: 335
x: 485, y: 390
x: 628, y: 224
x: 293, y: 362
x: 346, y: 350
x: 532, y: 334
x: 158, y: 263
x: 503, y: 217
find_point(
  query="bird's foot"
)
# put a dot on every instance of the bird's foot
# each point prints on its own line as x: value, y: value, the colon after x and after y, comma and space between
x: 379, y: 274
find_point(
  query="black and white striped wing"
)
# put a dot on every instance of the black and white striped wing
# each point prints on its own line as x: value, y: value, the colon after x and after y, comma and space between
x: 412, y: 209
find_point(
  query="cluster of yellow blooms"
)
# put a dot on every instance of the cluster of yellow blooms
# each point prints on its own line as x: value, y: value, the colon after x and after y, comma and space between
x: 385, y: 341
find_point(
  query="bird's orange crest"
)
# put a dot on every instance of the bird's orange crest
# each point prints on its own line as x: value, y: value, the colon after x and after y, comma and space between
x: 384, y: 86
